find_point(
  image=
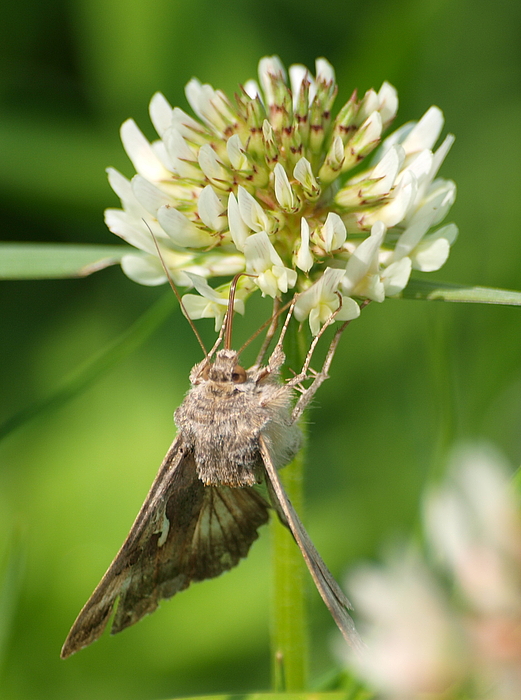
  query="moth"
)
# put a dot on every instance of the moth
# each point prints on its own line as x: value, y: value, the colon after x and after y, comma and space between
x: 236, y: 429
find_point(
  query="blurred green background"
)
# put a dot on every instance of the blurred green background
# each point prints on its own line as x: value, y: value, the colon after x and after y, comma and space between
x: 409, y: 379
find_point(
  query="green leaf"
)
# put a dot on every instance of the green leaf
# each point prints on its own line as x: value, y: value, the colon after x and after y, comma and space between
x: 31, y: 261
x: 92, y: 369
x: 442, y: 291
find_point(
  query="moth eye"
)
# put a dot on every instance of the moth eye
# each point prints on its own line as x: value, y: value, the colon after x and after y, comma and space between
x: 238, y: 375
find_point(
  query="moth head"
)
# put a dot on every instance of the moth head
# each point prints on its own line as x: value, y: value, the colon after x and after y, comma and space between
x: 225, y: 368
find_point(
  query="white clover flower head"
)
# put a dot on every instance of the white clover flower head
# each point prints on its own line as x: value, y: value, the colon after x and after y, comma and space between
x: 277, y: 160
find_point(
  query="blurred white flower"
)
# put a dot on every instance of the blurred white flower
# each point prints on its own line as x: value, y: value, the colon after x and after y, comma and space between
x: 425, y: 636
x: 414, y: 644
x: 273, y: 161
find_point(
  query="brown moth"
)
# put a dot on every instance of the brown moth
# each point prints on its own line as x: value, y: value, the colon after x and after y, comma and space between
x: 236, y: 428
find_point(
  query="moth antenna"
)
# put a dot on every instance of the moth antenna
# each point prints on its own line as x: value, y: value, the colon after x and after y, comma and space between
x: 176, y: 291
x: 228, y: 319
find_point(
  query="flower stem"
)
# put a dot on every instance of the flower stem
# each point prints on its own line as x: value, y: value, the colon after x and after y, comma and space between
x: 289, y: 632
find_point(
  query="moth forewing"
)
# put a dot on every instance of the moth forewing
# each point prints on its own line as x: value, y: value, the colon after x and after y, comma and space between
x: 331, y: 593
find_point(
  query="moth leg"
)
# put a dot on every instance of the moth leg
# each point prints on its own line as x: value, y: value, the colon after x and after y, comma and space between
x: 277, y: 357
x: 220, y: 337
x: 318, y: 377
x: 280, y: 341
x: 329, y: 590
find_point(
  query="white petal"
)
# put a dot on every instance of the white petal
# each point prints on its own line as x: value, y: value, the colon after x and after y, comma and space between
x: 333, y: 232
x: 259, y: 253
x: 303, y: 173
x: 421, y: 165
x: 441, y: 153
x: 368, y: 105
x: 426, y: 132
x: 160, y: 113
x: 297, y: 74
x: 161, y: 153
x: 388, y: 102
x: 449, y: 232
x: 187, y: 127
x: 200, y: 100
x: 251, y: 211
x: 198, y: 307
x: 324, y: 71
x: 181, y: 230
x: 314, y: 320
x: 308, y: 300
x: 203, y: 288
x: 349, y: 311
x: 371, y: 287
x: 131, y: 230
x: 371, y: 130
x: 429, y: 256
x: 123, y: 189
x: 364, y: 258
x: 236, y: 153
x: 304, y: 257
x: 283, y: 190
x: 396, y: 137
x: 447, y: 192
x: 141, y: 153
x: 387, y: 169
x: 218, y: 265
x: 396, y: 276
x: 398, y: 207
x: 238, y: 229
x: 144, y: 269
x: 252, y: 89
x: 210, y: 105
x: 437, y: 201
x: 268, y: 283
x: 270, y: 66
x: 120, y: 184
x: 211, y: 209
x: 410, y: 238
x: 322, y: 291
x: 330, y: 281
x: 211, y: 165
x: 183, y: 158
x: 286, y: 278
x: 149, y: 196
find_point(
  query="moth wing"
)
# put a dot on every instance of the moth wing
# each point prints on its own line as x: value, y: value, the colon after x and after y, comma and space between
x: 331, y: 593
x: 184, y: 532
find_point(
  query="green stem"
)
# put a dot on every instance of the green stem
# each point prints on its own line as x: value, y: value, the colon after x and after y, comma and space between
x: 289, y: 631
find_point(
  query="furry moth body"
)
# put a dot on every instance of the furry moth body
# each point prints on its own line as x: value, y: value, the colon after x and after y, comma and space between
x: 236, y: 428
